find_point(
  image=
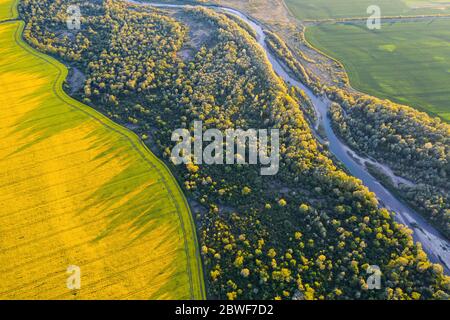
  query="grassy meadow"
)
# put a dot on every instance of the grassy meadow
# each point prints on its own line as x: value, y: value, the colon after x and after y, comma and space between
x: 335, y: 9
x: 407, y: 62
x: 77, y: 189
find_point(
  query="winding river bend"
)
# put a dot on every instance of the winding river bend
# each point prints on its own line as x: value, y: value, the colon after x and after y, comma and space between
x: 433, y: 243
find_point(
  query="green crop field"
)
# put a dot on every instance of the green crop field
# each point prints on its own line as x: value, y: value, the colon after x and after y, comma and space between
x: 77, y: 189
x: 325, y: 9
x: 407, y: 62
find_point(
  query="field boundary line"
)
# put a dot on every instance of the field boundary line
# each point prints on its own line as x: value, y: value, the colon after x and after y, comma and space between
x: 362, y: 19
x: 350, y: 86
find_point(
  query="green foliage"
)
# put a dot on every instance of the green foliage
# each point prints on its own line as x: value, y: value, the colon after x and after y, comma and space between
x: 284, y: 53
x: 253, y: 245
x: 414, y: 145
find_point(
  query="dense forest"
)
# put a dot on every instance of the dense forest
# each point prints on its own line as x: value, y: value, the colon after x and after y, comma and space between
x: 415, y: 145
x: 310, y: 232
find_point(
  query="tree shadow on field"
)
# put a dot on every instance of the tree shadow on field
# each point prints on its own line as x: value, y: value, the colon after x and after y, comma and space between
x: 49, y: 118
x: 135, y: 198
x: 176, y: 287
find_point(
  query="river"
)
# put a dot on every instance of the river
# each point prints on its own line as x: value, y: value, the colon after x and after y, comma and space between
x: 433, y: 242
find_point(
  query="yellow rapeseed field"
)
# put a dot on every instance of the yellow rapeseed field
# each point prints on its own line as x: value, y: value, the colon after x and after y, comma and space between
x: 8, y: 9
x: 77, y: 189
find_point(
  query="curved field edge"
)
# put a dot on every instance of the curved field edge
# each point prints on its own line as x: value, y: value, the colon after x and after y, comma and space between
x: 184, y: 214
x: 353, y: 77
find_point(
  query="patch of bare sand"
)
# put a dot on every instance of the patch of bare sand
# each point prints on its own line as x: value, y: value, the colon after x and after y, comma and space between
x: 200, y: 34
x: 266, y: 11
